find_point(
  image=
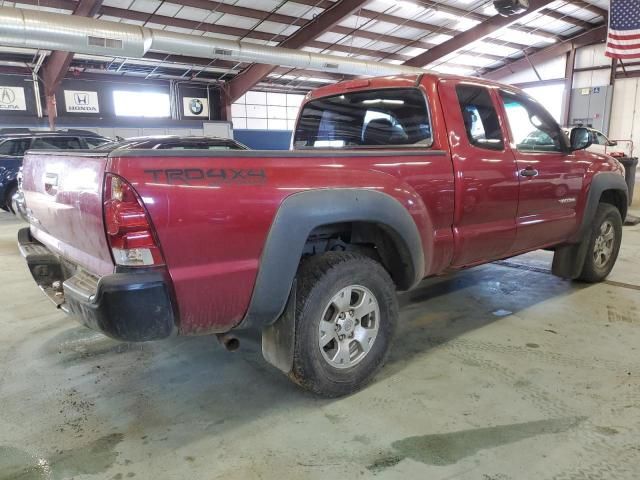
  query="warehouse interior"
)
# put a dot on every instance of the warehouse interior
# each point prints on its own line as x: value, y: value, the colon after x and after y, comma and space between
x: 502, y: 371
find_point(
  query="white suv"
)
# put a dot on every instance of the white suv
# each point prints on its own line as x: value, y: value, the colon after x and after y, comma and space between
x: 601, y: 144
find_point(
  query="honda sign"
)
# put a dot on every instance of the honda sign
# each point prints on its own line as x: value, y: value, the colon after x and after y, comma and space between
x: 81, y: 102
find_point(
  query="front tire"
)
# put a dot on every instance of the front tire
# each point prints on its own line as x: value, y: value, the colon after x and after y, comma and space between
x: 604, y: 244
x: 346, y: 315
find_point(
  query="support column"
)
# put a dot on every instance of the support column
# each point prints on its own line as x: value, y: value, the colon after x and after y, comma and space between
x: 225, y: 105
x: 52, y: 112
x: 568, y: 86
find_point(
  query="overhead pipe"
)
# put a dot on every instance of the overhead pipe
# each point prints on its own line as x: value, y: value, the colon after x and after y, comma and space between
x: 54, y: 31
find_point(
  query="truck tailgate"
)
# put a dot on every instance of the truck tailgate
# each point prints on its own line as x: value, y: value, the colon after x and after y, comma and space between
x: 63, y: 194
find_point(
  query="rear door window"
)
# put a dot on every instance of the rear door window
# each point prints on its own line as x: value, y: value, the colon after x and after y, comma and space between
x: 56, y: 143
x: 15, y: 147
x: 480, y: 117
x: 600, y: 139
x: 372, y: 118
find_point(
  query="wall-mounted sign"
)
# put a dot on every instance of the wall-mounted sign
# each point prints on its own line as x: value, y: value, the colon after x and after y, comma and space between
x: 195, y: 107
x: 81, y: 102
x: 12, y: 98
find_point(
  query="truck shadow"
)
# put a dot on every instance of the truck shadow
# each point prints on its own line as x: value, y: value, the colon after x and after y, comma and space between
x: 181, y: 390
x: 441, y: 309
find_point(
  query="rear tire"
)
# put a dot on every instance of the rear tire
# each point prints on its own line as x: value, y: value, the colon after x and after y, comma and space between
x: 346, y: 314
x: 604, y: 244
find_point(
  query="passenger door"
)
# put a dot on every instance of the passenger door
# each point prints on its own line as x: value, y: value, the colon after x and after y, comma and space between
x: 550, y: 175
x: 486, y: 183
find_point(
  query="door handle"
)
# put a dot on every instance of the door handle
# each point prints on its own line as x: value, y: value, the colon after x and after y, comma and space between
x: 528, y: 172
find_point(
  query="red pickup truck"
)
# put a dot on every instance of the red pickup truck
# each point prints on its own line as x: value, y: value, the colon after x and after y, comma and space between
x: 389, y: 180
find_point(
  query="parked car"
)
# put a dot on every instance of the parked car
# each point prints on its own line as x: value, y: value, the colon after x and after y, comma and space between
x: 177, y: 142
x: 599, y: 142
x: 390, y: 180
x: 14, y: 142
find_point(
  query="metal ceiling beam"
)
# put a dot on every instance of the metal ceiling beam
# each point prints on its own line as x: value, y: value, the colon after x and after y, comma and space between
x: 564, y: 18
x: 591, y: 8
x: 458, y: 12
x: 243, y: 33
x: 478, y: 32
x: 251, y: 76
x: 595, y: 35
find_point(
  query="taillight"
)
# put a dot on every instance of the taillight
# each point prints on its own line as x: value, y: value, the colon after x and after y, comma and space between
x: 129, y: 230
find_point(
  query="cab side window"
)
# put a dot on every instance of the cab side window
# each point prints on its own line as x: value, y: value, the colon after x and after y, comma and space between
x: 480, y: 117
x: 533, y: 129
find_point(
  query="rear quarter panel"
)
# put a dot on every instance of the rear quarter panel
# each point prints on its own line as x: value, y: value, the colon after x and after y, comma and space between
x: 213, y: 218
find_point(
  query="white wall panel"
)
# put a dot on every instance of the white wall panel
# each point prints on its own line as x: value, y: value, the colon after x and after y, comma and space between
x: 592, y: 78
x: 625, y: 112
x: 591, y: 56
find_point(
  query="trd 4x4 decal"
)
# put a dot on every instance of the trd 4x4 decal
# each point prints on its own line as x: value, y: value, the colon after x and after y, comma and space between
x: 199, y: 176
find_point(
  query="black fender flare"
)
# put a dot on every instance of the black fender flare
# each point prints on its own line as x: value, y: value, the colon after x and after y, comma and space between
x: 600, y: 183
x: 568, y: 260
x: 296, y: 218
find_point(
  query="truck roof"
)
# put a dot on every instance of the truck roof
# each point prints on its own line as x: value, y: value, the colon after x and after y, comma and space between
x: 397, y: 81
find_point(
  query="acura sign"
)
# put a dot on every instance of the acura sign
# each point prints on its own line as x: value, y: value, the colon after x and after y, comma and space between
x: 12, y: 98
x: 81, y: 102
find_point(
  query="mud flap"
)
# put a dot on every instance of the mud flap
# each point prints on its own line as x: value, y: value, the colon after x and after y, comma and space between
x: 569, y: 260
x: 278, y: 339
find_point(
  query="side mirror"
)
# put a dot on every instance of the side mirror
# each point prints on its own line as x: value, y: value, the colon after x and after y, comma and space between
x: 612, y: 143
x: 580, y: 138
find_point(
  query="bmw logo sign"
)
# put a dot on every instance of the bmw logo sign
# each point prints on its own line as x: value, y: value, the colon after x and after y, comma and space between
x: 195, y: 106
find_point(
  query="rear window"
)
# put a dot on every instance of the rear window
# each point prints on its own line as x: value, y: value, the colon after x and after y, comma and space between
x: 93, y: 142
x: 373, y: 118
x: 56, y: 143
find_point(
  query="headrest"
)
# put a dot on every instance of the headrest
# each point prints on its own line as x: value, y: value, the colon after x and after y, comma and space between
x: 378, y: 132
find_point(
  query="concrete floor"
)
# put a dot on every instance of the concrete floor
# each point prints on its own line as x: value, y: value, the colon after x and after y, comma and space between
x: 502, y: 372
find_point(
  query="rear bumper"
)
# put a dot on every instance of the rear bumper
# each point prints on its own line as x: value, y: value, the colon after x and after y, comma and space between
x: 131, y: 306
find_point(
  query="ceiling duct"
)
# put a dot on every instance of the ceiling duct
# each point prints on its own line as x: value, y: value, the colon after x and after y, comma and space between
x: 54, y: 31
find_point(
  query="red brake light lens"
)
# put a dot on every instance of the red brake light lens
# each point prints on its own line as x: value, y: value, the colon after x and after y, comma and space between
x: 129, y: 229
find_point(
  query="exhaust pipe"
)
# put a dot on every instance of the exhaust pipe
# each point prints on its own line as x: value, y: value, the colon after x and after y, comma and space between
x: 230, y: 342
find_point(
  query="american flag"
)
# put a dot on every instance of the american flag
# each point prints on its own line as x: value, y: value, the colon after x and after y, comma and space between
x: 623, y: 40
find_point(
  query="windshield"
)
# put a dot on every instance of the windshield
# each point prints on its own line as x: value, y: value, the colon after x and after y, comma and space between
x: 394, y: 116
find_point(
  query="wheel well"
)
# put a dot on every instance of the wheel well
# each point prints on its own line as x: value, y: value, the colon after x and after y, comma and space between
x: 7, y: 190
x: 377, y: 241
x: 616, y: 198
